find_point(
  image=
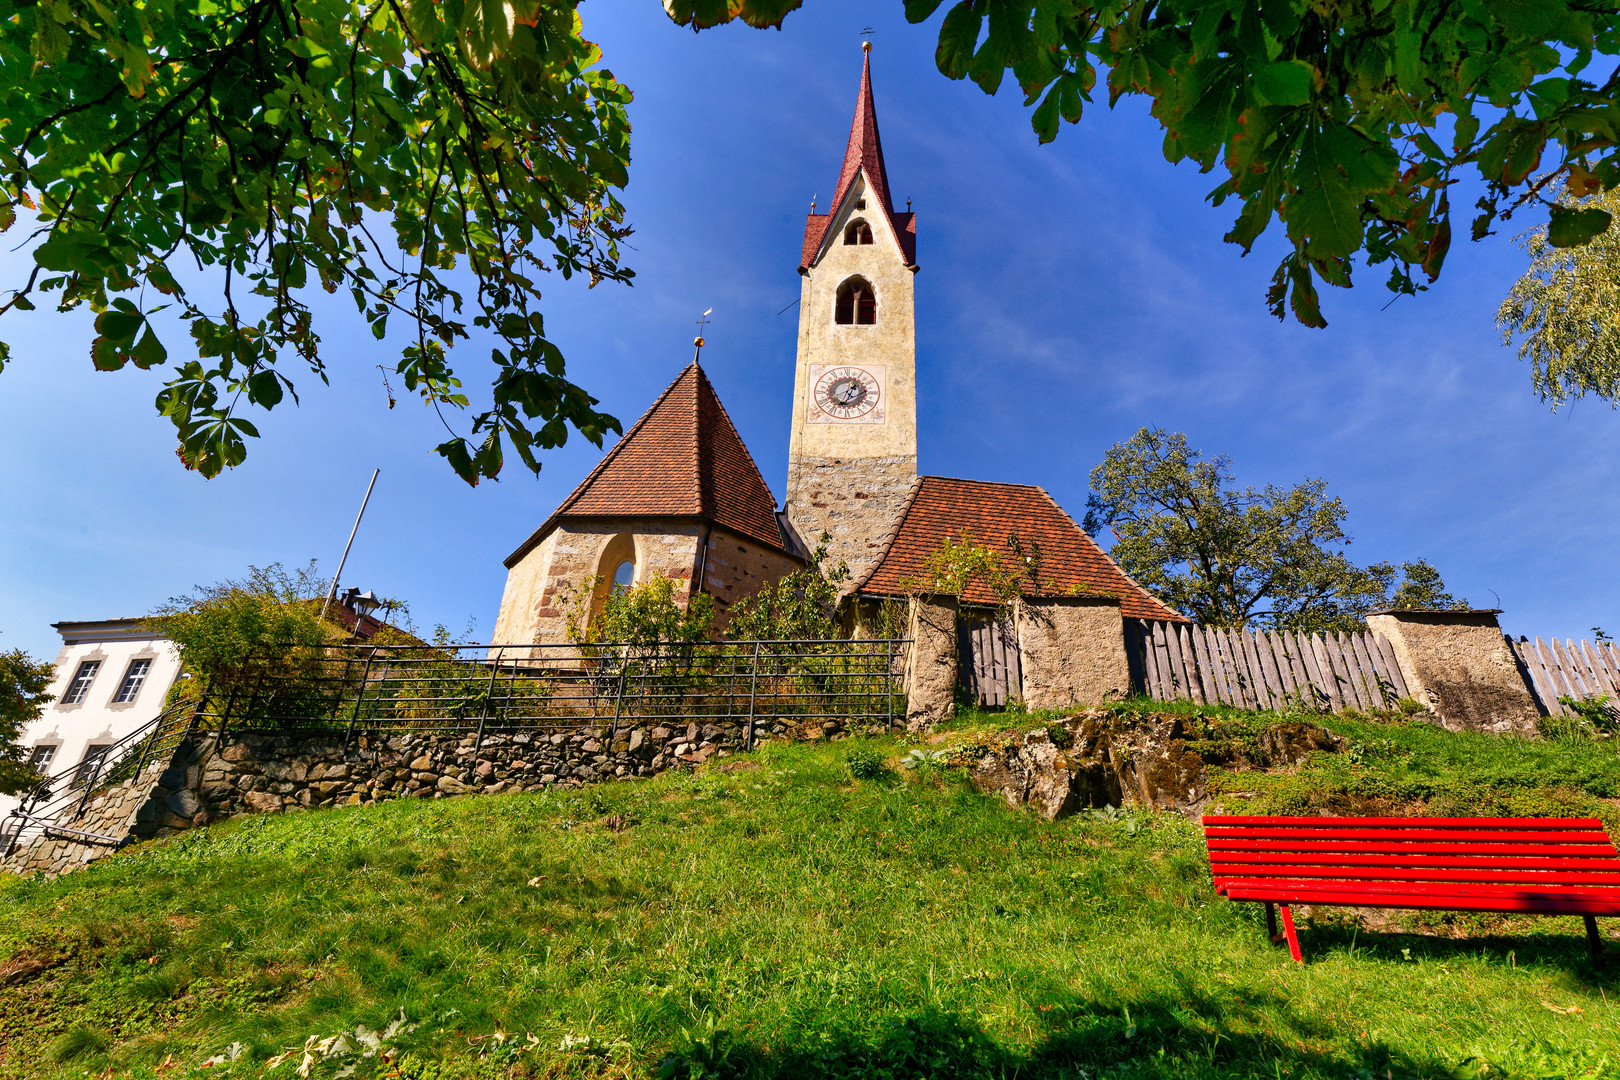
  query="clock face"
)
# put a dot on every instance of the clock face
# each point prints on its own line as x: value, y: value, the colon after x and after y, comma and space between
x: 846, y: 393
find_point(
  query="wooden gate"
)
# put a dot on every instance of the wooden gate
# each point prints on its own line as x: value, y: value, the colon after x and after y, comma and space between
x: 988, y: 652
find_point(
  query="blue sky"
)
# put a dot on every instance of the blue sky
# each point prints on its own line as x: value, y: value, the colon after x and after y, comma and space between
x: 1069, y: 294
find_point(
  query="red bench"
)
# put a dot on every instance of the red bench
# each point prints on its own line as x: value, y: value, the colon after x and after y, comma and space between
x: 1543, y: 866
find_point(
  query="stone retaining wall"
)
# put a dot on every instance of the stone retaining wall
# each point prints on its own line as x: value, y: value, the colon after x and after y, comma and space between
x: 261, y: 772
x: 264, y: 772
x: 160, y: 801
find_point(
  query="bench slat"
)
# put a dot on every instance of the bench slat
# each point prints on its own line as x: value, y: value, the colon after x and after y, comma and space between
x: 1541, y: 905
x: 1453, y: 892
x: 1409, y: 823
x: 1413, y: 836
x: 1397, y: 873
x: 1373, y: 848
x: 1451, y: 860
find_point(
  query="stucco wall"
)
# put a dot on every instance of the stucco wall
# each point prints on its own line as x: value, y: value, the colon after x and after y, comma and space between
x: 1072, y: 650
x: 534, y: 607
x: 1457, y: 663
x: 844, y: 477
x: 931, y: 664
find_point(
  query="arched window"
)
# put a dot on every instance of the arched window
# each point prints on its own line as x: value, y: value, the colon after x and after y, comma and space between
x: 856, y: 303
x: 858, y: 232
x: 615, y: 570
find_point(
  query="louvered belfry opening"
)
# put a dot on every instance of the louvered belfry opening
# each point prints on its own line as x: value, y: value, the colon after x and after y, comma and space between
x: 858, y: 232
x: 857, y: 304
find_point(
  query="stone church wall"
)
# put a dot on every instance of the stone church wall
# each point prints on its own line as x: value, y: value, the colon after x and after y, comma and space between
x: 854, y: 500
x: 534, y: 607
x: 736, y: 567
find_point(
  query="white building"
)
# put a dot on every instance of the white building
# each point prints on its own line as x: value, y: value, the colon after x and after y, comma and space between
x: 111, y: 678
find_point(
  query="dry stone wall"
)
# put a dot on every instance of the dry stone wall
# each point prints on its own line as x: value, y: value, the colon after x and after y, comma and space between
x: 262, y: 772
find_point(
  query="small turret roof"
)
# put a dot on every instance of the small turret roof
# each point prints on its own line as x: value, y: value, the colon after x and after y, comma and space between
x: 682, y: 459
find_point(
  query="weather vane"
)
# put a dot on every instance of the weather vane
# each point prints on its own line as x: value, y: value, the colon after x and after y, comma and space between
x: 697, y: 342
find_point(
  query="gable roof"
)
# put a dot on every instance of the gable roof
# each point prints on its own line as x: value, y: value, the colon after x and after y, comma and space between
x: 940, y: 508
x: 683, y: 458
x: 863, y: 155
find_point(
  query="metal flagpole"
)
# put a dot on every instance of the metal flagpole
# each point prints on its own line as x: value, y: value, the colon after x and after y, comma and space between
x: 332, y: 592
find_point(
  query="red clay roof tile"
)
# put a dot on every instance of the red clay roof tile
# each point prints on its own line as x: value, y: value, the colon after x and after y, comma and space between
x: 941, y: 508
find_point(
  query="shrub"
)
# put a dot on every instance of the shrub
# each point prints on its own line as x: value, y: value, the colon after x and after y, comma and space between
x: 865, y: 763
x: 646, y: 613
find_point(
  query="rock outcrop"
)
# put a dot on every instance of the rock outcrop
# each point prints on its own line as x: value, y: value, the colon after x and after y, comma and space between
x: 1098, y: 758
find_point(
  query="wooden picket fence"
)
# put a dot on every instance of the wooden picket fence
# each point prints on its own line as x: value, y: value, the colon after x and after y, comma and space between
x: 1264, y: 669
x: 1588, y: 670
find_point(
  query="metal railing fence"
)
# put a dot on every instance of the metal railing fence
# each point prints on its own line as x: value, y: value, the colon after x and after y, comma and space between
x: 482, y: 689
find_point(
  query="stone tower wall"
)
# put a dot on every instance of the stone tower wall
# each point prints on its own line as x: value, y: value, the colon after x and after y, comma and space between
x: 849, y: 478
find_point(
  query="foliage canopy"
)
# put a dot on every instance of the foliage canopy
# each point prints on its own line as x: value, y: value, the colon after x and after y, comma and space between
x: 229, y: 632
x: 1565, y: 311
x: 1350, y: 123
x: 1231, y: 557
x: 23, y: 682
x: 390, y: 151
x: 645, y: 613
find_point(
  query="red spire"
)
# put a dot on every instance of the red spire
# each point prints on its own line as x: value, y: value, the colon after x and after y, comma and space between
x: 865, y: 149
x: 864, y: 154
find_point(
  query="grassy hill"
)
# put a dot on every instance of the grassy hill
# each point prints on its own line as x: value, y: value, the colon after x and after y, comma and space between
x: 774, y: 917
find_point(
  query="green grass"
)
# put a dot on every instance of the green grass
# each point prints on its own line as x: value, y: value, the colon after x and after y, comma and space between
x: 783, y: 920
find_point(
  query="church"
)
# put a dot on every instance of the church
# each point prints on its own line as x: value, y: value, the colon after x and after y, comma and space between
x: 680, y: 496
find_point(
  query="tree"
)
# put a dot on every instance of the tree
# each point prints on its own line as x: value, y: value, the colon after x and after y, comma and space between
x: 231, y: 632
x: 23, y: 681
x: 1332, y: 118
x: 401, y: 153
x: 1565, y: 311
x: 1421, y: 587
x: 963, y: 565
x: 1229, y: 557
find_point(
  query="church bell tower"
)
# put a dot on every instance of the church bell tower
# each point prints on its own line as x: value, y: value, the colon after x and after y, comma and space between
x: 853, y: 452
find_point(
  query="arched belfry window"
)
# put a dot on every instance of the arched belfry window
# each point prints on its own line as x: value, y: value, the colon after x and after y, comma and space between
x: 858, y: 232
x: 857, y: 303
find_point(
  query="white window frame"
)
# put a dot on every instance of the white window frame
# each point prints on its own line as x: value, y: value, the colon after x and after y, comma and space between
x: 83, y: 676
x: 130, y: 687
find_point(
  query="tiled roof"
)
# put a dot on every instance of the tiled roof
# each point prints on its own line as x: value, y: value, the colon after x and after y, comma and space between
x: 864, y: 154
x: 940, y: 508
x: 683, y: 458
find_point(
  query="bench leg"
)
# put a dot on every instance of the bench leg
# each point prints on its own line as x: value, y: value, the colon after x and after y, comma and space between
x: 1271, y: 924
x: 1293, y: 938
x: 1593, y: 941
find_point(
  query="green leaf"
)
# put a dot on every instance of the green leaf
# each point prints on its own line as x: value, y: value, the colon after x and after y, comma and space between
x: 918, y: 10
x: 1571, y: 226
x: 1287, y: 82
x: 958, y: 37
x: 264, y: 389
x: 119, y: 325
x: 148, y: 351
x: 1335, y: 171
